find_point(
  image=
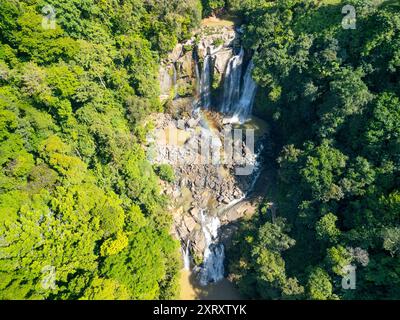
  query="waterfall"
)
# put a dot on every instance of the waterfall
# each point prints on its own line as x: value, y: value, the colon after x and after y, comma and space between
x: 186, y: 256
x: 205, y: 82
x: 233, y: 76
x: 242, y: 110
x: 174, y: 80
x: 197, y: 73
x: 214, y: 253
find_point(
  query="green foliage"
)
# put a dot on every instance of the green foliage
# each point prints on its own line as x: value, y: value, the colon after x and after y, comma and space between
x: 326, y: 228
x: 212, y: 6
x: 332, y: 97
x: 165, y: 172
x: 81, y: 215
x: 319, y: 286
x: 105, y: 289
x: 338, y: 258
x: 258, y: 264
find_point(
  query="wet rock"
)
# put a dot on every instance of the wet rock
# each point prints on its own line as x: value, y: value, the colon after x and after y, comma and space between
x: 190, y: 223
x: 180, y: 124
x: 167, y: 79
x: 192, y: 123
x: 185, y: 65
x: 222, y: 58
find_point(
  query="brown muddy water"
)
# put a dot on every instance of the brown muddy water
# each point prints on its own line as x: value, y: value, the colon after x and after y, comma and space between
x: 192, y: 290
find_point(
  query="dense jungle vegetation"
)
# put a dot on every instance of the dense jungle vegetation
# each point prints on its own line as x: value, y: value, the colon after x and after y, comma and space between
x: 332, y: 96
x: 81, y: 216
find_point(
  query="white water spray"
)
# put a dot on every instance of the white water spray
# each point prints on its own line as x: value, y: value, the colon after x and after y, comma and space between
x: 186, y: 256
x: 205, y: 83
x: 233, y: 76
x: 242, y: 110
x: 214, y: 253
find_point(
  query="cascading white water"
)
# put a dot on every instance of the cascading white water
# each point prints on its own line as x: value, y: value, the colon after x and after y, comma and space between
x: 232, y: 80
x: 186, y: 256
x: 214, y: 253
x: 198, y: 80
x: 205, y: 83
x: 242, y: 110
x: 174, y: 80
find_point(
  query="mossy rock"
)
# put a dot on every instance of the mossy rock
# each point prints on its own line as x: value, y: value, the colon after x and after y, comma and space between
x: 216, y: 81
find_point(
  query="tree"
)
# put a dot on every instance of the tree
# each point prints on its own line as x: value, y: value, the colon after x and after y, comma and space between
x: 324, y: 164
x: 326, y: 228
x: 338, y: 258
x: 319, y: 285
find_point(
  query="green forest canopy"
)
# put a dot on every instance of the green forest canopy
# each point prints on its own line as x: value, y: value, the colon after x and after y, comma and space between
x: 81, y: 215
x: 332, y: 96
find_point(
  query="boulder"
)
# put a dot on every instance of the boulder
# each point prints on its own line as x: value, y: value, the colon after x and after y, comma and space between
x: 194, y: 212
x: 237, y: 212
x: 191, y: 123
x: 222, y: 58
x: 224, y: 36
x: 189, y: 222
x: 180, y: 124
x: 198, y: 242
x: 176, y: 53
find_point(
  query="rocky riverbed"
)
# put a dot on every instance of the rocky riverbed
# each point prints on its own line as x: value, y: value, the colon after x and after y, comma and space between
x: 202, y: 184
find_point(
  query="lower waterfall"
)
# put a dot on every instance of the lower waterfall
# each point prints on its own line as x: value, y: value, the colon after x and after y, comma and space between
x: 186, y: 256
x: 214, y: 253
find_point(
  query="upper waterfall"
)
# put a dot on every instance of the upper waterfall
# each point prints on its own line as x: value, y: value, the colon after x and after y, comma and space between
x: 242, y: 110
x: 233, y: 76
